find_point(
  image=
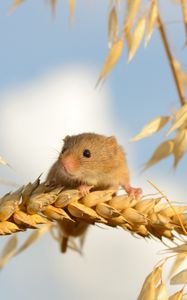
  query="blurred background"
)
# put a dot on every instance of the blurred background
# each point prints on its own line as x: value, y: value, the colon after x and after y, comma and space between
x: 49, y: 68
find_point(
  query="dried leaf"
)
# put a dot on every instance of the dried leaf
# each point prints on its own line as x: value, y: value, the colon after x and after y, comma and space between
x: 161, y: 292
x: 180, y: 258
x: 152, y: 127
x: 180, y: 146
x: 179, y: 278
x: 136, y: 37
x: 162, y: 151
x: 112, y: 58
x: 132, y: 8
x: 181, y: 118
x: 8, y: 251
x: 152, y: 17
x: 148, y: 289
x: 35, y: 235
x: 112, y: 27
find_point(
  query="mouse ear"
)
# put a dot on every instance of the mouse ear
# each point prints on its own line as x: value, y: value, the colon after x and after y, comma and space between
x: 66, y: 138
x: 112, y: 140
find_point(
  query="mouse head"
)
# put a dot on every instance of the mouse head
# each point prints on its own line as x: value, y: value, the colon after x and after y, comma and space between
x: 88, y: 155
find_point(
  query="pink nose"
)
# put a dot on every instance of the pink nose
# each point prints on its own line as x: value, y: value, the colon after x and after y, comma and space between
x: 69, y: 164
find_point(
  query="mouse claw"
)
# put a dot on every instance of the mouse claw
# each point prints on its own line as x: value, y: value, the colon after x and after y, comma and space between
x: 133, y: 192
x: 84, y: 189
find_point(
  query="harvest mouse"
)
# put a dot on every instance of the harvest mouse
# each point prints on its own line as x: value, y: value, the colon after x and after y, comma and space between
x: 91, y: 161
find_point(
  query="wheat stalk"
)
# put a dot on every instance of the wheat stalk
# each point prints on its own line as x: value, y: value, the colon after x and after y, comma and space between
x: 39, y: 203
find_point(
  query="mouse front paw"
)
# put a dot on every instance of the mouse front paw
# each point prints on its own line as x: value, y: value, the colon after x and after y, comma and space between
x: 84, y: 189
x: 134, y: 192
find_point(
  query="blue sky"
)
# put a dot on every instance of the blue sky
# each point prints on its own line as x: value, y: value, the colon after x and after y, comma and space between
x: 40, y: 55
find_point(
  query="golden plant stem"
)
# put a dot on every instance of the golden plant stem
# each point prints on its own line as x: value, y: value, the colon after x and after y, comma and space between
x: 184, y: 12
x: 171, y: 60
x: 164, y: 196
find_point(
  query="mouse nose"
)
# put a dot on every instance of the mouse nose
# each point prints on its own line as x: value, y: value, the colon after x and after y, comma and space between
x: 69, y: 164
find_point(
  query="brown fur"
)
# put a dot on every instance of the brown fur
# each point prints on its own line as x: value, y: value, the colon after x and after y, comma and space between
x: 107, y: 166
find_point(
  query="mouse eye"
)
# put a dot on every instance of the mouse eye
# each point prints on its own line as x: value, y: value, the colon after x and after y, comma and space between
x: 87, y: 153
x: 63, y: 150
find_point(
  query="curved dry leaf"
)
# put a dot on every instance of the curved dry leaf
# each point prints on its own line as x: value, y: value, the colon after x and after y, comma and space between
x: 132, y: 9
x: 72, y: 4
x: 8, y: 251
x: 148, y: 290
x: 152, y: 17
x: 180, y: 258
x: 112, y: 27
x: 161, y: 292
x: 177, y: 296
x: 180, y: 278
x: 112, y: 58
x: 136, y: 37
x: 180, y: 146
x: 181, y: 118
x: 163, y: 150
x: 152, y: 127
x: 35, y: 235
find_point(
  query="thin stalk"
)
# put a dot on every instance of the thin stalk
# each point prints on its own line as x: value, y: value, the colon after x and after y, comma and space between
x: 171, y: 61
x: 172, y: 207
x: 184, y: 12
